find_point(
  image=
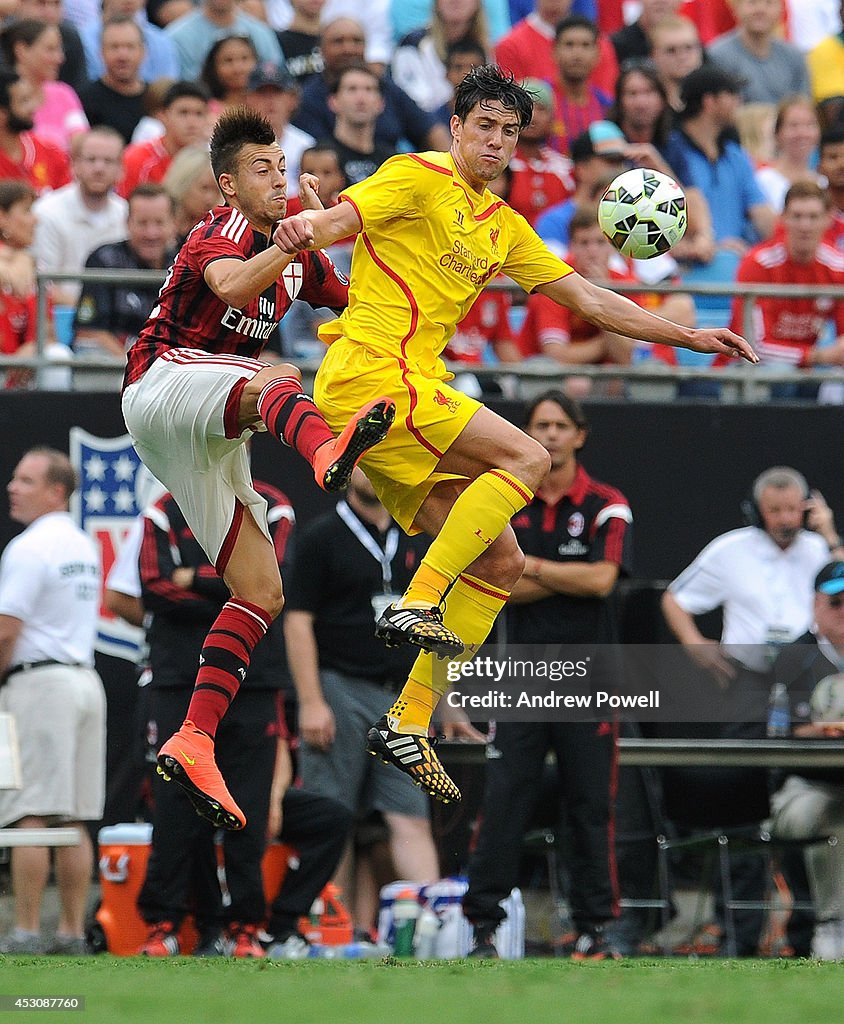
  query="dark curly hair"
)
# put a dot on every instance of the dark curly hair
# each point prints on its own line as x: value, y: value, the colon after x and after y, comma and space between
x: 237, y: 128
x: 490, y: 83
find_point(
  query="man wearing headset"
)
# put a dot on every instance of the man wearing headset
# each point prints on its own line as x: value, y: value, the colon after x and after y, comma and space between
x: 762, y: 578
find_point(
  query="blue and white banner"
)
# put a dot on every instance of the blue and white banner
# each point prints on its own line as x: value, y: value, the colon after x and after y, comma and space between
x: 113, y: 489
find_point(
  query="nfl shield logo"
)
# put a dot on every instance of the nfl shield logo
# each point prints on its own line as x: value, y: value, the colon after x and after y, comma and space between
x: 113, y: 489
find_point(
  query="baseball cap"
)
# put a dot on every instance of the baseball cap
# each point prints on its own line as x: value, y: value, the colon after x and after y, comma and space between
x: 270, y: 75
x: 540, y: 91
x: 709, y: 80
x: 601, y: 138
x: 830, y: 580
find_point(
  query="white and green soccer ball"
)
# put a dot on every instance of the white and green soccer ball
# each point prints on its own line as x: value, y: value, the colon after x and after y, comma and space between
x: 827, y: 700
x: 643, y: 213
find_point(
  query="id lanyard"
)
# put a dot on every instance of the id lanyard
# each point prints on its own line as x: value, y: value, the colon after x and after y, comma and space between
x: 391, y: 543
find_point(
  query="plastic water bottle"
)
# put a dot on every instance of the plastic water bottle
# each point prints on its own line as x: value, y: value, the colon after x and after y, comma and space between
x: 405, y: 913
x: 779, y: 712
x: 425, y: 939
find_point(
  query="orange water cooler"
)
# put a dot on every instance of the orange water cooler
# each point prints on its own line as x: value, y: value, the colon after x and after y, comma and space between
x: 124, y: 852
x: 123, y: 855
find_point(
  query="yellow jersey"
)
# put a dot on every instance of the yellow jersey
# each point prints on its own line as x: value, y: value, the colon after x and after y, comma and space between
x: 826, y: 68
x: 428, y: 246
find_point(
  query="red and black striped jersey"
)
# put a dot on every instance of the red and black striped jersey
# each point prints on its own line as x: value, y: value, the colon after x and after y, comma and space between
x: 189, y: 315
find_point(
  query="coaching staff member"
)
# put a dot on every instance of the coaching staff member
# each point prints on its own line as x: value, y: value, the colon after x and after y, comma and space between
x: 577, y: 538
x: 49, y: 602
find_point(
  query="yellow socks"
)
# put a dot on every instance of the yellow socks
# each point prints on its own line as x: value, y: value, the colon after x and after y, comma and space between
x: 476, y: 519
x: 425, y: 589
x: 470, y: 610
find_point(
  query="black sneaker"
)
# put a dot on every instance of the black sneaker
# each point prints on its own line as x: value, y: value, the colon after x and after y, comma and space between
x: 210, y: 944
x: 594, y: 945
x: 422, y: 627
x: 413, y: 755
x: 334, y: 461
x: 484, y: 947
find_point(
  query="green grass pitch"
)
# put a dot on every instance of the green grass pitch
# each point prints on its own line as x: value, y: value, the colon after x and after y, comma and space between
x: 185, y: 991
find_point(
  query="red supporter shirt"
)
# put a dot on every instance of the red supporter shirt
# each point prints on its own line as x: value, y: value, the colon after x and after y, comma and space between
x: 547, y: 321
x: 17, y: 321
x: 143, y: 162
x: 486, y: 323
x: 43, y: 165
x: 528, y: 51
x: 189, y: 315
x: 572, y: 119
x: 785, y: 329
x: 835, y: 232
x: 712, y: 17
x: 539, y: 182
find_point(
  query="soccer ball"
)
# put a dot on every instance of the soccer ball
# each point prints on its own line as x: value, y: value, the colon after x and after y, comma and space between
x: 827, y: 700
x: 643, y: 213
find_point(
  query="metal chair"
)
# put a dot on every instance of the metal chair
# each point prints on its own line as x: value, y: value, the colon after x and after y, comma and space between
x: 717, y: 845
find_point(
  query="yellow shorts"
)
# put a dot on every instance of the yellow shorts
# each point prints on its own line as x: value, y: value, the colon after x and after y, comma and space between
x: 429, y: 416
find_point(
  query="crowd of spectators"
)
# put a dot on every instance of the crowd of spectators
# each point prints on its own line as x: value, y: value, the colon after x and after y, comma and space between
x: 738, y: 102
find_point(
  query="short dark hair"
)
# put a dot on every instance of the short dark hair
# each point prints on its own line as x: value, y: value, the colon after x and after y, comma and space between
x: 184, y: 90
x: 490, y: 83
x: 576, y: 21
x: 833, y: 136
x: 13, y: 191
x: 59, y: 468
x: 124, y: 19
x: 570, y: 406
x: 151, y: 190
x: 707, y: 80
x: 237, y: 127
x: 321, y: 147
x: 358, y: 66
x: 464, y: 46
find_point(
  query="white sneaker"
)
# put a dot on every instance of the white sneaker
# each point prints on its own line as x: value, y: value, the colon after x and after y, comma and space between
x: 828, y: 940
x: 18, y: 941
x: 294, y: 947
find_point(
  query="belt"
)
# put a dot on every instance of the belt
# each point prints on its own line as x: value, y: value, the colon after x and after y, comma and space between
x: 25, y: 666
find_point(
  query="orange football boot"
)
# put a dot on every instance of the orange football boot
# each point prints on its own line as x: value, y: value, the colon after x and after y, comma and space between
x: 187, y: 758
x: 335, y: 460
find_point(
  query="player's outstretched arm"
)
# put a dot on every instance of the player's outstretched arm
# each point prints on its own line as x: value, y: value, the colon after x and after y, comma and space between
x: 315, y: 229
x: 613, y: 312
x: 237, y: 282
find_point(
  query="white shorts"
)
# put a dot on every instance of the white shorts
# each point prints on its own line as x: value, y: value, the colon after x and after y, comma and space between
x: 182, y: 416
x: 60, y: 715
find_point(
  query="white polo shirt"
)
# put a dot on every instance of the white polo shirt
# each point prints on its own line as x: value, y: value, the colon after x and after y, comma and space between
x: 766, y: 593
x: 67, y: 232
x: 50, y: 579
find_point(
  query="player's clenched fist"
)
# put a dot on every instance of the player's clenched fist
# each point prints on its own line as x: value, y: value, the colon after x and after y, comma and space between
x: 293, y: 234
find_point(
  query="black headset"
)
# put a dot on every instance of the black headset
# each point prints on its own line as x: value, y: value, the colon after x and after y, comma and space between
x: 750, y: 513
